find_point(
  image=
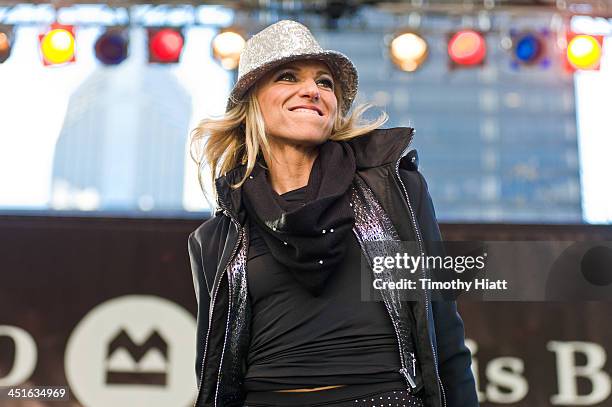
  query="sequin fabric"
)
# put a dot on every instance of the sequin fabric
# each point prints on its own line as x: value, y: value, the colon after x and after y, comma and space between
x: 378, y: 237
x: 393, y: 398
x: 287, y: 41
x: 229, y: 385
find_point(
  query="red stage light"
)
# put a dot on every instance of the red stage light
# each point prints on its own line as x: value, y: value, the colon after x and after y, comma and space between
x: 165, y: 45
x: 467, y: 47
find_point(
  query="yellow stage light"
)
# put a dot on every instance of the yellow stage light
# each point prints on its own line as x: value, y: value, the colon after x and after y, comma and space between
x: 57, y: 45
x: 584, y: 52
x: 408, y: 51
x: 5, y: 47
x: 227, y: 46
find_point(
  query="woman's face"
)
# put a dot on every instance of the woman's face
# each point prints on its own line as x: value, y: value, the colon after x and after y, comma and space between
x: 298, y: 83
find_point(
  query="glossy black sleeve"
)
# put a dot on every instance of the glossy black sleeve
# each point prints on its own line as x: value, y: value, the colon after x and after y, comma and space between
x: 454, y: 358
x: 202, y: 293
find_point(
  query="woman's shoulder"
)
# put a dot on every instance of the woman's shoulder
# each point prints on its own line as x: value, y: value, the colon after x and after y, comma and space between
x: 211, y: 228
x: 381, y: 146
x: 383, y: 137
x: 205, y: 244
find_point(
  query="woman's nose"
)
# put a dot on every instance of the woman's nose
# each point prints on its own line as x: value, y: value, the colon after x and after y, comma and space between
x: 310, y: 89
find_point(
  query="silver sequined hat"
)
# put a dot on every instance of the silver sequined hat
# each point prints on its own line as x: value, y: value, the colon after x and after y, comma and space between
x: 283, y: 42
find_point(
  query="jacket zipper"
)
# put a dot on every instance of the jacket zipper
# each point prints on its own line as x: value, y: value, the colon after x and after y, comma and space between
x: 418, y: 234
x: 210, y: 314
x: 409, y: 379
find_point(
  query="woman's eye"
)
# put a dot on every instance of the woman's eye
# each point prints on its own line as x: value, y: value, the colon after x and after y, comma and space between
x: 328, y: 82
x: 286, y: 75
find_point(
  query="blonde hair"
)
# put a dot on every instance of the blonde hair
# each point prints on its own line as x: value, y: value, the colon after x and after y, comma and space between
x: 237, y: 137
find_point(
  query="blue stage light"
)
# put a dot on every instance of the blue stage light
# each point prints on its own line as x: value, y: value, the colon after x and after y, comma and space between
x: 528, y: 48
x: 112, y: 46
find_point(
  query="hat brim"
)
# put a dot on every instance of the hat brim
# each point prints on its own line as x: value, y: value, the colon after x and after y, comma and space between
x: 342, y: 68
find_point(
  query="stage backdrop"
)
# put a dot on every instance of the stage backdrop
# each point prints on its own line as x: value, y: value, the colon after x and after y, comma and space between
x: 106, y: 308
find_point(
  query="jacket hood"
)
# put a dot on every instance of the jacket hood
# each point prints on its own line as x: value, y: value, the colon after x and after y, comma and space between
x: 374, y: 149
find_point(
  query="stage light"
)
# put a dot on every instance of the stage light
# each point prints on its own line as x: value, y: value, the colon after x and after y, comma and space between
x: 467, y: 48
x: 165, y: 45
x: 584, y: 51
x: 226, y: 47
x: 6, y: 42
x: 112, y: 47
x: 57, y: 45
x: 528, y: 48
x: 408, y: 51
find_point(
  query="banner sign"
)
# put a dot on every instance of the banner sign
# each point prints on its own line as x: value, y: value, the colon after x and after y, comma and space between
x: 104, y: 309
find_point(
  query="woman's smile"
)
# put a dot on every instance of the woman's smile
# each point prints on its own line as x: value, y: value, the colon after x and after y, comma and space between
x: 307, y: 111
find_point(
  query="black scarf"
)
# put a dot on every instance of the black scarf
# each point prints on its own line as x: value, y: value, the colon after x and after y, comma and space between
x: 310, y: 239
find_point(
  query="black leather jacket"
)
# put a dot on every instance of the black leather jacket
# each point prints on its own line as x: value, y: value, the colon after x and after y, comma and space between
x: 387, y: 188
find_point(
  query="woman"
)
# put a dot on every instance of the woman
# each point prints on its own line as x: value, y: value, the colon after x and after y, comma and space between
x: 303, y: 189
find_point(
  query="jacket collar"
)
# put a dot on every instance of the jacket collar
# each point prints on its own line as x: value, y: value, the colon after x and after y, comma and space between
x: 374, y: 149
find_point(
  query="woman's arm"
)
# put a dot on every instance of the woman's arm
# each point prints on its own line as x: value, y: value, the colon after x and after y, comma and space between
x: 202, y: 293
x: 454, y: 358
